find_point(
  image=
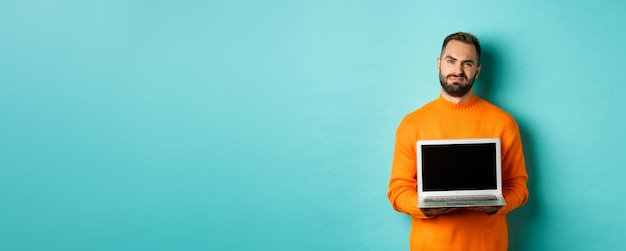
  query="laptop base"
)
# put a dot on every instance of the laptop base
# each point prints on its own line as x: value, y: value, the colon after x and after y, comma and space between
x: 421, y: 203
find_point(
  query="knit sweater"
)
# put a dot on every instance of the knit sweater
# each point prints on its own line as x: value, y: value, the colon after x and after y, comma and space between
x: 462, y: 229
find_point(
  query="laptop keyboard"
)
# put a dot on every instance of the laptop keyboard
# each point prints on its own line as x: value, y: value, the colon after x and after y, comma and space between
x: 461, y: 198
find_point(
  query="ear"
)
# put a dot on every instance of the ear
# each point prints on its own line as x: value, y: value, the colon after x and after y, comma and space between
x: 477, y: 71
x: 438, y: 64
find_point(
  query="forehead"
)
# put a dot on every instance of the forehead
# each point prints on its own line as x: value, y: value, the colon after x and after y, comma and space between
x: 460, y: 50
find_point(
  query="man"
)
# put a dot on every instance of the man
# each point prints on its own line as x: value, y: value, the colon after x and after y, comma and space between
x: 458, y: 113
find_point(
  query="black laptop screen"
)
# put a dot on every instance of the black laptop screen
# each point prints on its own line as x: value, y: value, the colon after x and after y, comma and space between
x: 459, y: 167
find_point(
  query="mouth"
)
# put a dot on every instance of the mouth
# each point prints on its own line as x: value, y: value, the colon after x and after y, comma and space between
x: 456, y: 79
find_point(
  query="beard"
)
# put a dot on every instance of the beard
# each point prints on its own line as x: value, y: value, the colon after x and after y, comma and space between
x: 456, y: 89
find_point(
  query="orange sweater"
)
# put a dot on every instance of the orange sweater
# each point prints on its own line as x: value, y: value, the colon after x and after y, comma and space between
x: 461, y: 229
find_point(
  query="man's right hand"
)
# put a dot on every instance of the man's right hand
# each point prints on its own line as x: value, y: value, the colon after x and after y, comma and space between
x: 437, y: 211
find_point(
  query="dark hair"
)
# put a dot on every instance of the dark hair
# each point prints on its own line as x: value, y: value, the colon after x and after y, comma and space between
x: 465, y: 38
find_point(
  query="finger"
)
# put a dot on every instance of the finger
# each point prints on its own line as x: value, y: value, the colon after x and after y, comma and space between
x: 447, y: 210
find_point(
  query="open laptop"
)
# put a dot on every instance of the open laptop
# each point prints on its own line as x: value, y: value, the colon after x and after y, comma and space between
x: 459, y: 173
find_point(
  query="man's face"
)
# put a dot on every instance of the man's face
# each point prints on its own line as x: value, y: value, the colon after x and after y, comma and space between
x: 458, y: 68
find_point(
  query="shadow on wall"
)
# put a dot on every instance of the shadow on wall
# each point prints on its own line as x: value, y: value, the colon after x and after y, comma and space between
x: 521, y: 219
x: 484, y: 86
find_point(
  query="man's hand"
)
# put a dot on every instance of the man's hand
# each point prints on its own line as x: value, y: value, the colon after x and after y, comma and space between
x: 437, y: 211
x: 487, y: 210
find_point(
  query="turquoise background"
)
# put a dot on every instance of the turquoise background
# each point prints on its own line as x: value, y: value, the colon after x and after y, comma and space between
x: 269, y: 125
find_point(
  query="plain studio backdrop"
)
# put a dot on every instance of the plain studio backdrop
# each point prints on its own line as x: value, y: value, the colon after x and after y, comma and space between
x: 269, y: 125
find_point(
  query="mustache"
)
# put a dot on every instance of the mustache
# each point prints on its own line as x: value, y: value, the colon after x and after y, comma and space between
x: 462, y: 75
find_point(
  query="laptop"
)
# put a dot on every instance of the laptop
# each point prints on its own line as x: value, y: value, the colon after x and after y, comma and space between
x: 459, y: 173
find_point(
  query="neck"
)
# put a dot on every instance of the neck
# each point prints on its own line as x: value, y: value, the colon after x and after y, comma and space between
x: 457, y: 100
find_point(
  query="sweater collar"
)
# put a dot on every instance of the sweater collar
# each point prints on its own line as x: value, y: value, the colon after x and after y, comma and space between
x: 446, y: 105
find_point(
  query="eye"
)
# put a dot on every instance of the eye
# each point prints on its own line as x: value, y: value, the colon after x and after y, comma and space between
x: 469, y: 64
x: 450, y: 61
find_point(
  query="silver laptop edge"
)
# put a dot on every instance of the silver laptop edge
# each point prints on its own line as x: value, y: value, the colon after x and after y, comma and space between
x: 422, y: 195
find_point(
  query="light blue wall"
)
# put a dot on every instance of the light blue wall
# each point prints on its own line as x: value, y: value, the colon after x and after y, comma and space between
x: 269, y: 125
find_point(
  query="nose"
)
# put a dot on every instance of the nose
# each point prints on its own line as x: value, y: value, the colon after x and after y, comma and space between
x: 461, y: 67
x: 458, y: 68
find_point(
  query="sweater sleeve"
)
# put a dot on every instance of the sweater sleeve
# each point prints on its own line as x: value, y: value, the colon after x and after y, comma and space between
x: 402, y: 191
x: 514, y: 176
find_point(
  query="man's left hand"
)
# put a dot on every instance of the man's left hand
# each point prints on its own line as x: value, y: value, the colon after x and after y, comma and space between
x: 487, y: 210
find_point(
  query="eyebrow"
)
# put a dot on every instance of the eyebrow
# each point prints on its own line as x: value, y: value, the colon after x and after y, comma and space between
x: 464, y: 61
